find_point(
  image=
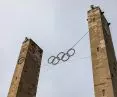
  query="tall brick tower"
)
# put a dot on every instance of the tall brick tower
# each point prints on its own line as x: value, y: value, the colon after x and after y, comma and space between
x: 25, y: 79
x: 103, y: 56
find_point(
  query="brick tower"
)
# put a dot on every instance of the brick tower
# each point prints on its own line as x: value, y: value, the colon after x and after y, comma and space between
x: 103, y: 56
x: 25, y: 78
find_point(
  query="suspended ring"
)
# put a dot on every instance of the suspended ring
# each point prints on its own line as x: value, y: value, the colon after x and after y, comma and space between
x: 52, y: 59
x: 60, y: 55
x: 71, y: 50
x: 65, y: 59
x: 54, y: 62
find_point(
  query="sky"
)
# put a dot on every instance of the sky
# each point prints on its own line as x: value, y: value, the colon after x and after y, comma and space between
x: 55, y: 25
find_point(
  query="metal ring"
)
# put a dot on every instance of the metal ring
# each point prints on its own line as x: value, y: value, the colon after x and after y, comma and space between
x: 53, y: 62
x: 59, y: 55
x: 64, y: 57
x: 68, y: 52
x: 21, y: 60
x: 52, y: 59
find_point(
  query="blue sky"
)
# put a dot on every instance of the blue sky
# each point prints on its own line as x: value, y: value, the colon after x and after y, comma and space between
x: 55, y: 25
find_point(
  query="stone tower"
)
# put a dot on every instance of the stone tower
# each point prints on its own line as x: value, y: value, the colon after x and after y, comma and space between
x: 25, y: 78
x: 103, y: 56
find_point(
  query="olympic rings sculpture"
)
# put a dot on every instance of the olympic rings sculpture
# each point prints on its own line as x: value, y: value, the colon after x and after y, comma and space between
x: 61, y: 56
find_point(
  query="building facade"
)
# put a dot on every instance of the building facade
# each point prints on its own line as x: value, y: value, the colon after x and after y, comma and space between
x: 25, y: 78
x: 104, y: 62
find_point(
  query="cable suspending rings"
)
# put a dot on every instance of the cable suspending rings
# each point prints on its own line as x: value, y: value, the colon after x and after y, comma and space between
x: 64, y: 56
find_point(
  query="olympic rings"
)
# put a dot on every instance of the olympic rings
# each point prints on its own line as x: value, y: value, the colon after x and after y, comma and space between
x: 61, y: 56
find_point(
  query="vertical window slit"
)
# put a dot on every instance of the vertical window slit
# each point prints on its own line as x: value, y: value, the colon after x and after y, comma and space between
x: 98, y: 49
x: 103, y: 92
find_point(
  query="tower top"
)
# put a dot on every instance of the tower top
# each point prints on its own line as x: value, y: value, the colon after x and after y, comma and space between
x: 95, y: 8
x: 29, y: 39
x: 92, y: 6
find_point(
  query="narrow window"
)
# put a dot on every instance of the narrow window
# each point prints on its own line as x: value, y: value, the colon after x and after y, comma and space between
x: 98, y: 49
x: 93, y: 19
x: 103, y: 92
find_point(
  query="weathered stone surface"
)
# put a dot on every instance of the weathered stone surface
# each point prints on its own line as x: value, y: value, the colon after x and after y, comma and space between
x: 103, y: 55
x: 25, y: 79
